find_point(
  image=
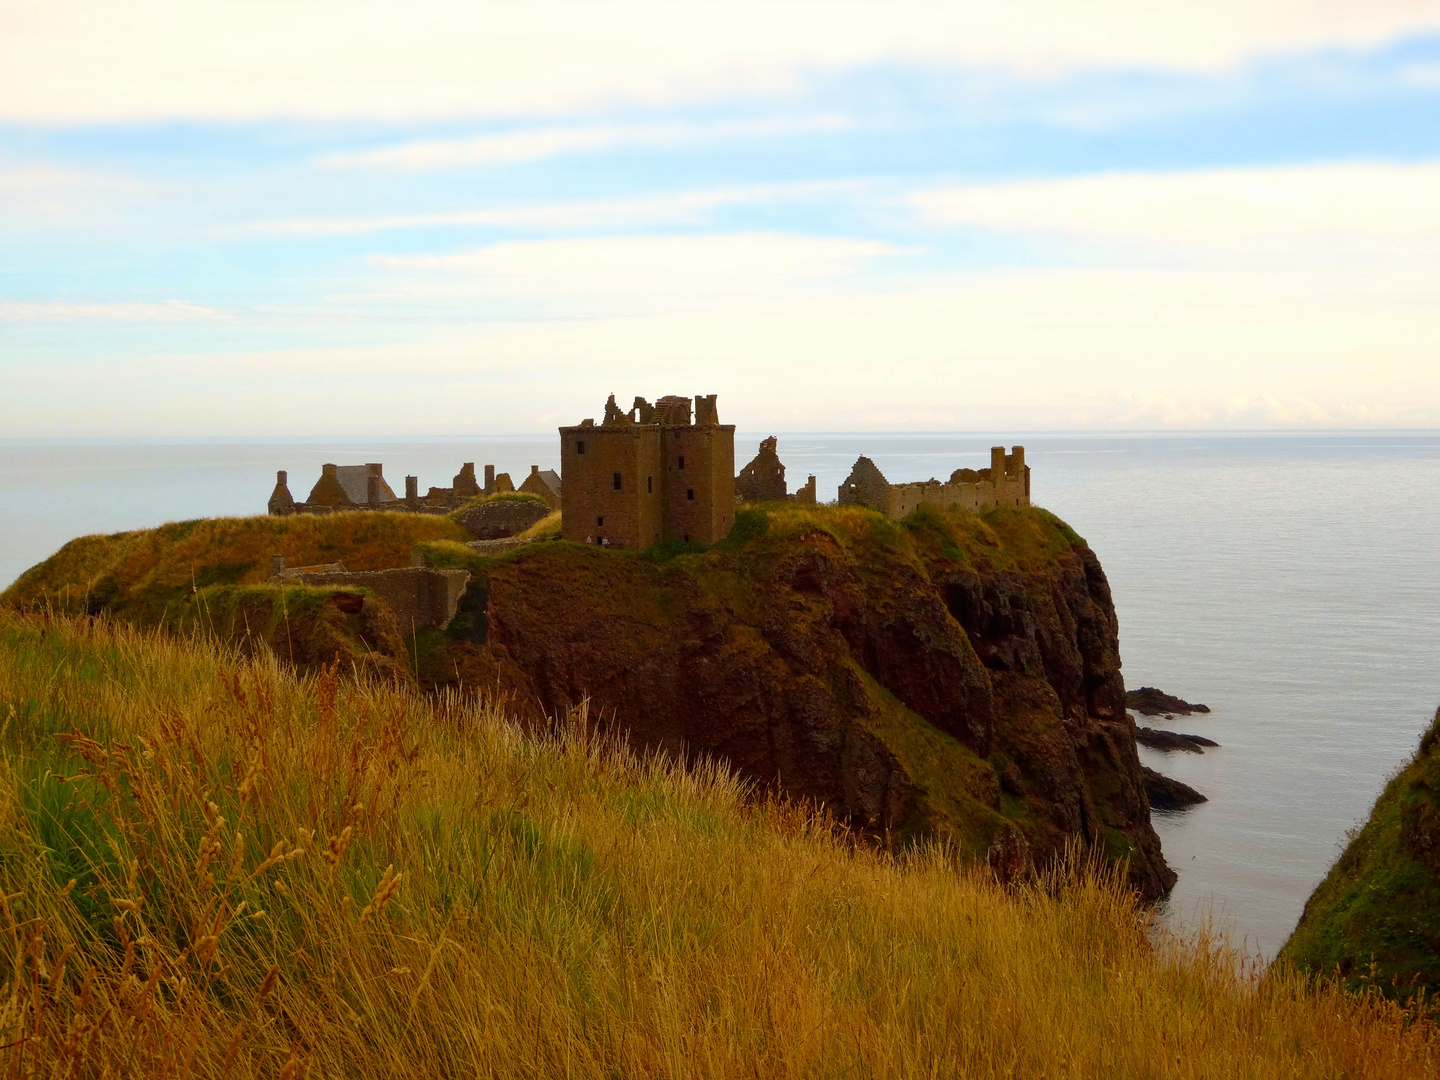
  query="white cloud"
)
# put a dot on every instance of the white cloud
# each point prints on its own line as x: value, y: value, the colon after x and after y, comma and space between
x: 1022, y: 349
x: 88, y: 61
x: 535, y: 144
x: 38, y: 192
x: 63, y: 311
x: 1016, y: 348
x: 1301, y: 213
x: 634, y: 273
x: 677, y: 208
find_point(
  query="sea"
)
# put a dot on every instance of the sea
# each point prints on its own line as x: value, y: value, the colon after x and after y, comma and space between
x: 1289, y: 581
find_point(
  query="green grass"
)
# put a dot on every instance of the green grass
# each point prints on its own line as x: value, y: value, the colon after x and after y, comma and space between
x: 1375, y: 919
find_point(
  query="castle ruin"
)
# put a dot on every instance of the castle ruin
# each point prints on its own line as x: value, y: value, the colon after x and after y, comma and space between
x: 1005, y: 483
x: 763, y: 479
x: 363, y: 487
x: 649, y: 474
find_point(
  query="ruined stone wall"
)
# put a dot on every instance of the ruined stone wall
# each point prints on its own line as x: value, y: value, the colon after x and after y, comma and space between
x: 1005, y: 483
x: 499, y: 518
x: 763, y: 479
x: 420, y: 597
x: 614, y: 489
x: 866, y: 485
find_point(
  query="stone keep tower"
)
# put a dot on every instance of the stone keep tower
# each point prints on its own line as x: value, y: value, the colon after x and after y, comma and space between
x: 648, y: 475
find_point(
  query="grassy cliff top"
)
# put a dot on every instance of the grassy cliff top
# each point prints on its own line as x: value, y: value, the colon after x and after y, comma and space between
x: 139, y: 574
x: 211, y: 866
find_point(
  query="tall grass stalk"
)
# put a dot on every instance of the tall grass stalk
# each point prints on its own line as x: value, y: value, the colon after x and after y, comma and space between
x: 211, y: 867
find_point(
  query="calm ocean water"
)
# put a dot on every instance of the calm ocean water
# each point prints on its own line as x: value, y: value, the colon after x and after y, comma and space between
x: 1288, y: 581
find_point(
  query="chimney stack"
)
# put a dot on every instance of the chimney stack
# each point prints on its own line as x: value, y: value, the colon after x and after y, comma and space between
x: 997, y: 464
x: 372, y: 488
x: 412, y: 490
x: 489, y: 479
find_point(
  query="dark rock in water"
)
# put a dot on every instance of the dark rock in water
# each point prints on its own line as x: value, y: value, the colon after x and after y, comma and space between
x: 1167, y: 794
x: 1159, y: 739
x: 1154, y: 702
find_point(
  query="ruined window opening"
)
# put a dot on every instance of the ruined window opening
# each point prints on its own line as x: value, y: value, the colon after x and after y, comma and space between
x: 682, y: 461
x: 616, y: 481
x: 690, y: 494
x: 649, y: 484
x: 687, y: 538
x: 599, y: 522
x: 580, y: 447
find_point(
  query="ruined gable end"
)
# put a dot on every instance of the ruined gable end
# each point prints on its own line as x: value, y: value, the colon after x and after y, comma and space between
x: 866, y: 485
x: 763, y: 479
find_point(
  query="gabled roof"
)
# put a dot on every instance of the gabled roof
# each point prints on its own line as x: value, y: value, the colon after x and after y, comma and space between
x: 355, y: 480
x: 552, y: 479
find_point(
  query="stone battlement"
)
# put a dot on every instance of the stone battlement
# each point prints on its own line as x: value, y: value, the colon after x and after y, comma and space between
x: 1005, y: 483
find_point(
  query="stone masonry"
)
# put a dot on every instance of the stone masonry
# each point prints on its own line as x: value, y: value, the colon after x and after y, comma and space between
x: 1005, y: 483
x: 363, y: 487
x: 649, y: 474
x: 420, y: 596
x: 763, y: 480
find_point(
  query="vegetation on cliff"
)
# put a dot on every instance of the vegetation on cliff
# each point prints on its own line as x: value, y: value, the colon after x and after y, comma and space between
x: 212, y: 866
x: 1375, y: 919
x: 948, y: 676
x: 213, y: 576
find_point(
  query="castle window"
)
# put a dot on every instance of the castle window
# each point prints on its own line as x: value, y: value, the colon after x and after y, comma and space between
x: 690, y: 494
x: 649, y: 484
x: 580, y: 447
x: 600, y: 522
x: 682, y: 461
x: 616, y: 481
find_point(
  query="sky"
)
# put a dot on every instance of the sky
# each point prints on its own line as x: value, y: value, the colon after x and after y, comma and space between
x: 419, y: 218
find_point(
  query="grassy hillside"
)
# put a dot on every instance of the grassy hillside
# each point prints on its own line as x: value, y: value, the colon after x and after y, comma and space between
x: 211, y: 575
x: 1376, y: 916
x: 212, y: 868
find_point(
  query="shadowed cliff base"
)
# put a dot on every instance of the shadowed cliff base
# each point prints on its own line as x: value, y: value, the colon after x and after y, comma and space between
x: 947, y: 676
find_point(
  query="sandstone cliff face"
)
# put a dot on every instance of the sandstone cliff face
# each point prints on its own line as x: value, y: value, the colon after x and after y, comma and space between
x: 948, y: 676
x: 1376, y: 917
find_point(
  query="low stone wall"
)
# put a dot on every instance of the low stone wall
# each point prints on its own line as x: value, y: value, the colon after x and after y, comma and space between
x: 499, y: 518
x: 420, y: 596
x: 497, y: 547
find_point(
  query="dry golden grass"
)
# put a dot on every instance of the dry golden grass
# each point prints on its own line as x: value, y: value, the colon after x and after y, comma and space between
x: 547, y: 528
x: 211, y: 868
